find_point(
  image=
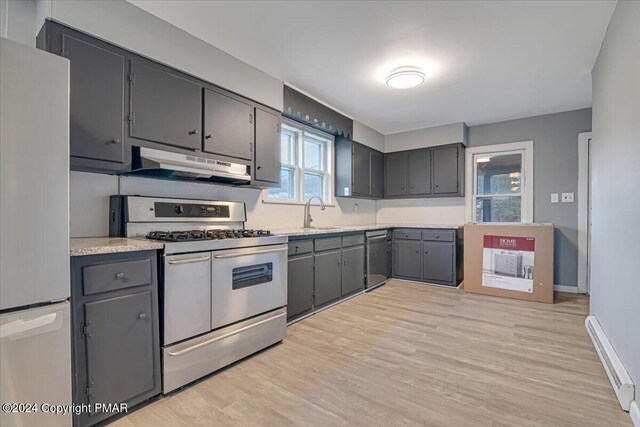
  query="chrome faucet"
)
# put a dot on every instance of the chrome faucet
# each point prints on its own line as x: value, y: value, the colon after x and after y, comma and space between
x: 307, y: 209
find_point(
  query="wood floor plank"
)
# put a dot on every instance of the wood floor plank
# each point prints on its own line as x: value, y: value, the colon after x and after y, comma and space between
x: 408, y: 354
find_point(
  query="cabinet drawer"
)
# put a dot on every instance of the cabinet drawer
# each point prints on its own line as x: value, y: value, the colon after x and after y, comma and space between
x: 115, y: 276
x: 297, y: 247
x: 327, y: 243
x: 438, y: 235
x: 352, y: 240
x: 407, y: 233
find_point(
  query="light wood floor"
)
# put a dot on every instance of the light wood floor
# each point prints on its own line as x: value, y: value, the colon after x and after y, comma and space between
x: 410, y: 354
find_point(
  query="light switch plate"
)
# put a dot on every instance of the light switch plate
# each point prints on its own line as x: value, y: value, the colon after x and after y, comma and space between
x: 554, y: 197
x: 567, y: 197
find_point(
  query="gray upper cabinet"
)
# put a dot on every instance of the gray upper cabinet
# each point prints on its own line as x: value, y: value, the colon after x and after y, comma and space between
x: 328, y: 277
x: 359, y: 170
x: 97, y: 84
x: 267, y: 147
x: 165, y: 107
x: 396, y: 174
x: 447, y: 170
x: 377, y: 174
x: 352, y: 270
x: 228, y: 125
x: 420, y: 172
x: 426, y: 172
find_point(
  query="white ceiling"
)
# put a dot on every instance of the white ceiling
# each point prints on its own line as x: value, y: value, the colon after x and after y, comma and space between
x: 486, y: 61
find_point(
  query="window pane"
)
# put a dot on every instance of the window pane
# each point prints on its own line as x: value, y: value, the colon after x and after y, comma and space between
x: 313, y: 154
x: 313, y: 186
x: 499, y: 174
x: 287, y: 186
x: 286, y: 148
x: 498, y: 209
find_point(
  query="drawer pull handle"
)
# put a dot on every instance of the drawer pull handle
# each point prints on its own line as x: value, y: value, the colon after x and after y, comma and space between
x: 119, y: 275
x: 142, y: 316
x: 227, y: 335
x: 188, y: 260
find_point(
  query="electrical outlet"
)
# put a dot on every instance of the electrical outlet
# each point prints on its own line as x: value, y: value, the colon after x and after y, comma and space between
x: 567, y: 197
x: 554, y: 197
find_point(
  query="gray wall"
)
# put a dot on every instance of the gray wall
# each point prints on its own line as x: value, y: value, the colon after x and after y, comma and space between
x: 18, y: 21
x: 555, y: 170
x: 126, y: 25
x: 615, y: 177
x: 367, y: 136
x: 427, y: 137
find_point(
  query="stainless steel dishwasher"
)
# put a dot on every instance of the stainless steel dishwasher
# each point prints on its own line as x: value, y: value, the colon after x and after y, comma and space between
x: 378, y: 257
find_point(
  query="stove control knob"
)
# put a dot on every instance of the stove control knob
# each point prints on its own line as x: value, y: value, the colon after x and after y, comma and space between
x: 179, y: 209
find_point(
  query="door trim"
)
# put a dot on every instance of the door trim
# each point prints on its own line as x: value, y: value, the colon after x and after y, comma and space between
x: 584, y: 203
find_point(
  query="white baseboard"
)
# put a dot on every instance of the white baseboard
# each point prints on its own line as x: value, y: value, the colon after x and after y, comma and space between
x: 634, y: 411
x: 621, y: 382
x: 566, y: 288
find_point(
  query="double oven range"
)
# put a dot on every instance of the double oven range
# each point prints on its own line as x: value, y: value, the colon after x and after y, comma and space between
x: 224, y: 288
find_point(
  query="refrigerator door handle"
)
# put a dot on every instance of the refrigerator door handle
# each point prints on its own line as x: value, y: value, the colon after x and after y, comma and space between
x: 20, y: 326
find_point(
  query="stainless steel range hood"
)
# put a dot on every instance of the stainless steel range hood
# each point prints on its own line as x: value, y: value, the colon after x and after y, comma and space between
x: 165, y: 163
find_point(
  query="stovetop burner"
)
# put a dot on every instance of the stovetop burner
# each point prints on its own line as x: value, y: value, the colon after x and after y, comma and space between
x: 193, y: 235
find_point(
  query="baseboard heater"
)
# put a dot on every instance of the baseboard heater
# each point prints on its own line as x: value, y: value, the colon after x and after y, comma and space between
x: 620, y: 379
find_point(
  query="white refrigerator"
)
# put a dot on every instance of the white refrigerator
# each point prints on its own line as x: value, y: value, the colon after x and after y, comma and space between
x: 35, y: 327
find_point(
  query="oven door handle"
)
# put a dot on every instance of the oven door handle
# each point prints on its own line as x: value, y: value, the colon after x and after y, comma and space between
x: 221, y: 337
x: 241, y: 254
x: 188, y: 260
x: 384, y: 236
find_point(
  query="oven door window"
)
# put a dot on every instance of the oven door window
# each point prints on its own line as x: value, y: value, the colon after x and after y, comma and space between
x: 252, y: 275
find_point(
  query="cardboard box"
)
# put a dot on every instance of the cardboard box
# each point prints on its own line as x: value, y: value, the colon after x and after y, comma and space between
x: 509, y: 260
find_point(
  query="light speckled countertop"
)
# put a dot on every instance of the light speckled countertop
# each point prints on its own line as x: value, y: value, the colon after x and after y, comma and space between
x: 299, y: 231
x: 108, y: 245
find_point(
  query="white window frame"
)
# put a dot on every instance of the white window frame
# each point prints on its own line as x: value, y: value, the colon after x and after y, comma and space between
x: 328, y: 160
x: 526, y: 179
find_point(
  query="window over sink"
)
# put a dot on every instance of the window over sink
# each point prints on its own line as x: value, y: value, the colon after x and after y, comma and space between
x: 307, y: 165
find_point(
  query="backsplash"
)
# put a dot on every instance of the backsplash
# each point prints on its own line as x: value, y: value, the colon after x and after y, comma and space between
x: 89, y: 194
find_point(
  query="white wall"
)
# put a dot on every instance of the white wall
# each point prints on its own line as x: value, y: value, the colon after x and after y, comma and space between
x: 124, y: 24
x: 367, y: 136
x: 17, y: 21
x: 90, y: 203
x: 615, y: 178
x: 428, y: 137
x: 421, y: 211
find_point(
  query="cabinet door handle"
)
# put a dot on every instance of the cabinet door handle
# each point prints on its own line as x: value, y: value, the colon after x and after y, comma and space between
x: 437, y: 186
x: 251, y: 118
x: 119, y: 275
x: 194, y: 132
x: 208, y: 136
x: 115, y: 141
x: 259, y: 167
x: 426, y: 252
x: 142, y: 316
x: 344, y: 262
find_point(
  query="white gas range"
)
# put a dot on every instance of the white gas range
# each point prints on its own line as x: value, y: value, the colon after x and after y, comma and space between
x: 224, y: 288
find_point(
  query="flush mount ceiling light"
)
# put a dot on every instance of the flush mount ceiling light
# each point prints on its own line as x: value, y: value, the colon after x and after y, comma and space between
x: 405, y: 77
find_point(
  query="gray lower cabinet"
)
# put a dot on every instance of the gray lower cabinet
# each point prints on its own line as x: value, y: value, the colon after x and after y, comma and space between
x: 323, y: 270
x: 300, y: 286
x: 428, y: 255
x: 406, y: 259
x: 328, y: 277
x: 267, y: 148
x: 228, y: 125
x: 165, y: 107
x: 352, y: 270
x: 116, y: 346
x: 437, y: 264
